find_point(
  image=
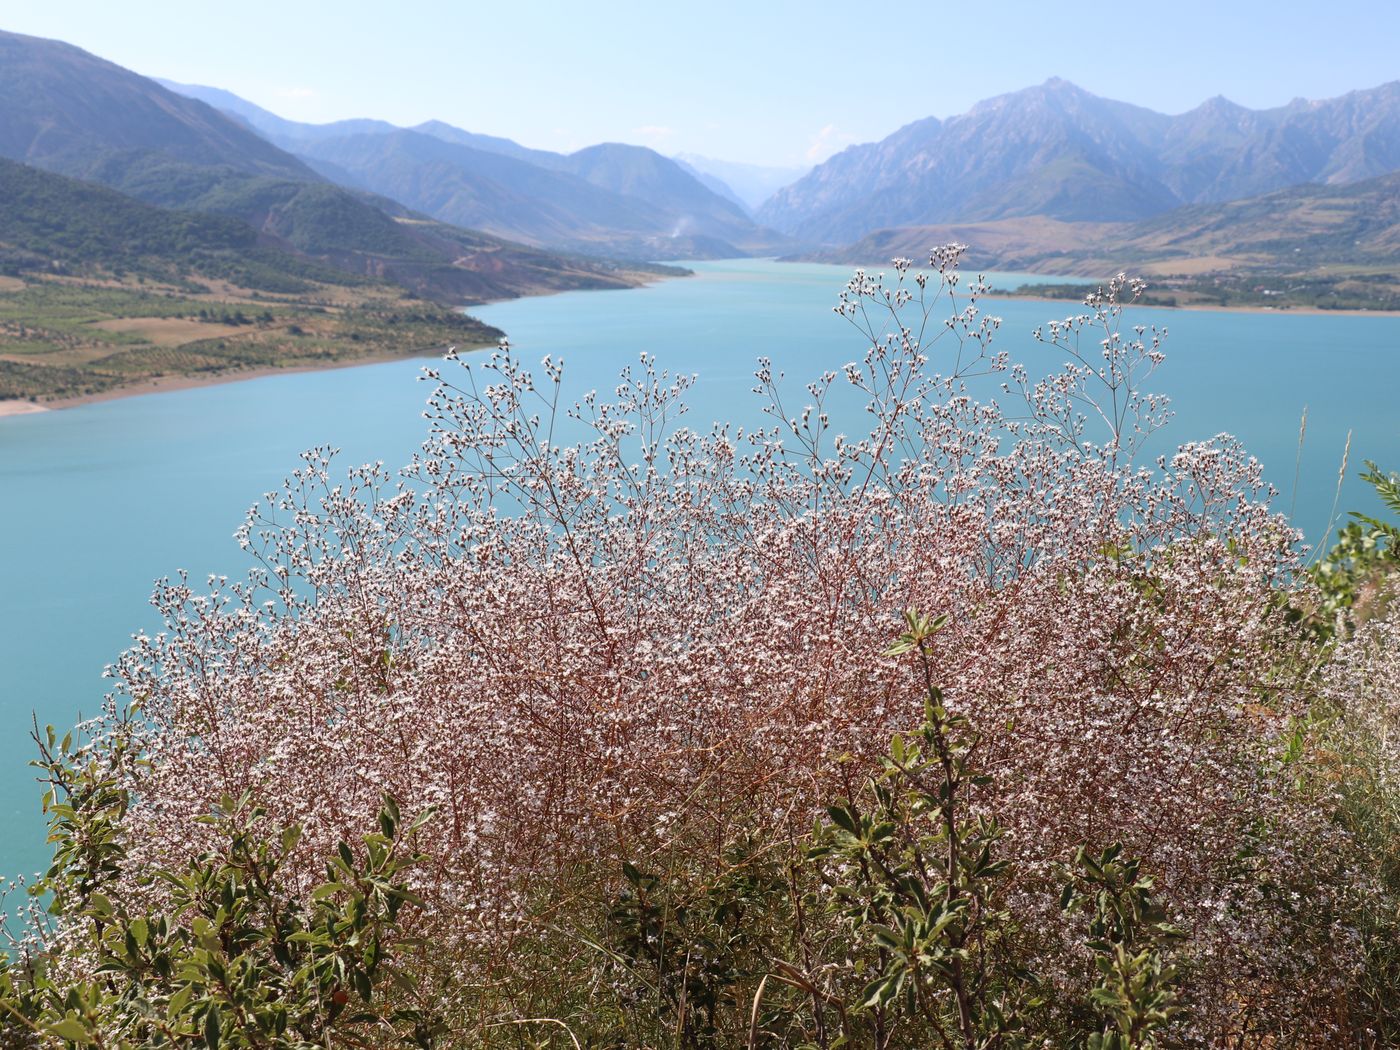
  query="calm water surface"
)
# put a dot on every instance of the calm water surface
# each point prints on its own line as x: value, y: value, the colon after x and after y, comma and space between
x: 97, y: 502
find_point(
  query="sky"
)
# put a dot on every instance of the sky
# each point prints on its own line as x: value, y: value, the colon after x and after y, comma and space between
x: 774, y: 83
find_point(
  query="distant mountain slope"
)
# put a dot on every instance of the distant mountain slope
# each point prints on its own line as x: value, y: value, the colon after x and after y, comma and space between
x: 1061, y: 152
x: 714, y: 184
x: 750, y: 184
x: 72, y: 112
x: 67, y: 111
x: 51, y: 224
x: 289, y: 134
x: 597, y: 202
x: 102, y: 292
x: 488, y: 191
x: 643, y: 174
x: 1053, y: 150
x: 1353, y: 226
x: 612, y: 199
x: 269, y: 125
x: 489, y: 143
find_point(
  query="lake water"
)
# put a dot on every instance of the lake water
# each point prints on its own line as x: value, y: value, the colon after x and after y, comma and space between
x: 96, y: 502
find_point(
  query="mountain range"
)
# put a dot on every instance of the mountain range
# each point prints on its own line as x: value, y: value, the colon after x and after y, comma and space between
x: 1060, y: 152
x: 610, y: 199
x: 144, y: 234
x: 71, y: 113
x: 748, y: 184
x: 1054, y: 152
x: 1048, y: 178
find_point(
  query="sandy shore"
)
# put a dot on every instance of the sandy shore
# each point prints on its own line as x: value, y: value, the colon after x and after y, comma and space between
x: 20, y: 408
x: 169, y: 384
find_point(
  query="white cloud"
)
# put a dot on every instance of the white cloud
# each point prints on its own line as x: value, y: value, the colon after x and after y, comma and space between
x: 827, y: 141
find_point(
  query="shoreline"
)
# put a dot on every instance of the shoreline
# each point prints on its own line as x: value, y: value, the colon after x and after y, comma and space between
x: 20, y: 407
x: 1288, y: 311
x: 16, y: 407
x: 171, y: 384
x: 13, y: 407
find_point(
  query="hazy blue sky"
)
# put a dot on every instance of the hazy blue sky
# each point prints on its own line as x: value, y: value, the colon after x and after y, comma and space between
x: 774, y: 83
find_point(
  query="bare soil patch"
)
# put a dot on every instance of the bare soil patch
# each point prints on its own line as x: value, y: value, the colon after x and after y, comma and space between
x: 168, y: 331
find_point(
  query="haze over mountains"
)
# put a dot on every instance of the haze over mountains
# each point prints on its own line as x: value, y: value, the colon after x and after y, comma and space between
x: 1052, y: 159
x: 1058, y: 151
x: 1051, y: 176
x: 71, y: 113
x: 749, y: 184
x: 609, y: 199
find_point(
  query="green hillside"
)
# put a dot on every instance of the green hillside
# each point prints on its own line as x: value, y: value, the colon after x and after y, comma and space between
x: 72, y: 113
x: 58, y: 226
x: 99, y: 292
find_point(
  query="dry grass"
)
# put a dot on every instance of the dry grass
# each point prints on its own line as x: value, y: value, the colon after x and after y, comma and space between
x: 168, y: 331
x: 1193, y: 267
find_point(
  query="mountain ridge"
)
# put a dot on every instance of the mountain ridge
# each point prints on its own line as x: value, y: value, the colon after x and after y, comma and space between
x: 1059, y: 151
x: 612, y: 199
x: 75, y: 114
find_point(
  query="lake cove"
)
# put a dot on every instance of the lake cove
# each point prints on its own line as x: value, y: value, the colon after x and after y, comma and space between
x: 98, y: 501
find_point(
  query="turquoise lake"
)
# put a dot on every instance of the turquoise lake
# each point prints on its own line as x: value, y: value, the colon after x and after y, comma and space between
x: 97, y: 502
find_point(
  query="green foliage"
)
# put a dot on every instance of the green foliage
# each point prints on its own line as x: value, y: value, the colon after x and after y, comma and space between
x: 916, y: 879
x: 1129, y: 936
x: 58, y: 225
x: 233, y: 958
x: 1387, y: 487
x: 918, y: 882
x: 1352, y: 575
x: 682, y: 951
x: 891, y: 928
x: 1272, y: 288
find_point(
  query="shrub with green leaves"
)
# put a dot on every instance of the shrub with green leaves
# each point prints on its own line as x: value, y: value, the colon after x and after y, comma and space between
x: 1130, y: 938
x: 589, y: 634
x: 893, y: 924
x: 1353, y: 575
x: 236, y: 958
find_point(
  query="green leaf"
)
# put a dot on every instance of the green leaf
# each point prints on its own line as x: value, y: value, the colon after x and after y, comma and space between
x: 179, y: 1001
x: 70, y: 1028
x: 363, y: 985
x: 844, y: 819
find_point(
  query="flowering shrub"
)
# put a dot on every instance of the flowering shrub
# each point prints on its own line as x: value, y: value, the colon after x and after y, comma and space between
x: 585, y: 632
x: 1355, y: 740
x: 234, y: 961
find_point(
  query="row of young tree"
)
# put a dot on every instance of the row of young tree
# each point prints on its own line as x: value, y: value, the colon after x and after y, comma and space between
x: 592, y: 729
